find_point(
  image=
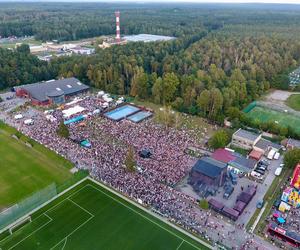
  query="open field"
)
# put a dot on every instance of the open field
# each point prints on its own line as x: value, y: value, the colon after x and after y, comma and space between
x: 25, y: 170
x: 283, y: 119
x: 294, y: 102
x: 91, y: 217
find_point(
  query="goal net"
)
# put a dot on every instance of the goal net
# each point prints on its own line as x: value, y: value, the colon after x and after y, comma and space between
x: 17, y: 211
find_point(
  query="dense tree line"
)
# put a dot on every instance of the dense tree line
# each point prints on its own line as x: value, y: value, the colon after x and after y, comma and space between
x: 20, y: 67
x: 222, y: 59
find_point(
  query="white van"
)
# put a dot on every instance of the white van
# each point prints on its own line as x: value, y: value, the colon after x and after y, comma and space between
x: 278, y: 171
x: 271, y: 154
x: 276, y: 156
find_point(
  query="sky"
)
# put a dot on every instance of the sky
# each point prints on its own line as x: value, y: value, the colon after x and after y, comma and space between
x: 169, y: 1
x: 226, y: 1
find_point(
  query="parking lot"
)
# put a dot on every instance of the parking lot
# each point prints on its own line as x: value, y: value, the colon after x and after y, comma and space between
x: 242, y: 184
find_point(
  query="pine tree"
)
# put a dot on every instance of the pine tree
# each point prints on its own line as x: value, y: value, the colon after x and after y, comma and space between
x: 130, y: 160
x: 63, y: 130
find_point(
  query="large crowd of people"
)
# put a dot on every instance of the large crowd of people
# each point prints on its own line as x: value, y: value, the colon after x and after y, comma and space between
x: 154, y: 185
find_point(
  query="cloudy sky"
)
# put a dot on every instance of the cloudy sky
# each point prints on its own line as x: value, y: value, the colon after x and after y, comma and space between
x: 210, y: 1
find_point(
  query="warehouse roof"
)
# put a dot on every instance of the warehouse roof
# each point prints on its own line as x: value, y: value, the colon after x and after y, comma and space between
x: 265, y: 144
x: 42, y: 90
x: 246, y: 134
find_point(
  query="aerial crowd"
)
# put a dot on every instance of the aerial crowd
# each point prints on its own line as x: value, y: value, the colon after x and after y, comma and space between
x: 154, y: 185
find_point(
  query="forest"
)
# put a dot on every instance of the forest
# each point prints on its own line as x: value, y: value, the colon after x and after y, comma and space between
x: 224, y: 57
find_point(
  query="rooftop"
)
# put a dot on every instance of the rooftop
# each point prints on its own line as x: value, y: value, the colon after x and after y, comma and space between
x: 242, y: 163
x: 246, y: 134
x: 42, y: 90
x: 223, y: 155
x: 265, y: 144
x: 209, y: 167
x: 147, y: 38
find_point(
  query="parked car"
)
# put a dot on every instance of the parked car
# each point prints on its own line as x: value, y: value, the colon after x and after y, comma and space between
x: 276, y: 156
x: 228, y: 191
x: 260, y: 204
x: 263, y: 168
x: 233, y: 178
x: 259, y: 171
x: 256, y: 175
x: 278, y: 171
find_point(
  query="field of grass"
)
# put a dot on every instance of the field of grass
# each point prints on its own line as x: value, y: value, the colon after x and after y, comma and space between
x: 25, y: 170
x: 283, y: 119
x: 294, y: 102
x: 91, y: 217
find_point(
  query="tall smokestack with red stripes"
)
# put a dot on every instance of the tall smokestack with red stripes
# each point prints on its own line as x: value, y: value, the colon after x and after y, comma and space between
x: 118, y: 35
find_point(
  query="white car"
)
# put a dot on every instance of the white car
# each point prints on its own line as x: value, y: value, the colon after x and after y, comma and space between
x: 278, y: 171
x: 276, y: 156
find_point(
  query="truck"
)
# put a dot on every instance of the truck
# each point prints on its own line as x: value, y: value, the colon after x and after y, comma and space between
x: 271, y: 154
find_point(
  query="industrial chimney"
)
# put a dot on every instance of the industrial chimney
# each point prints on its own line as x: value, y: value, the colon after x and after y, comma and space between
x: 118, y: 36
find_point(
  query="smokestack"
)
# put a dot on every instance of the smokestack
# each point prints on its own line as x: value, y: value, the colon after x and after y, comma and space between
x: 118, y: 35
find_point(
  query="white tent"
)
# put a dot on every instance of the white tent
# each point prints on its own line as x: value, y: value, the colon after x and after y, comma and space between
x: 18, y: 117
x: 76, y: 100
x: 28, y: 122
x: 72, y: 111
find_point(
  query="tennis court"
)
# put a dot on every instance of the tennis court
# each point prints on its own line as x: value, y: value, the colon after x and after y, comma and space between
x: 284, y: 119
x: 91, y: 217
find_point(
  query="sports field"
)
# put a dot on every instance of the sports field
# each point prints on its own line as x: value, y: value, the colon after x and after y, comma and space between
x: 91, y: 217
x: 24, y: 170
x: 294, y: 101
x: 283, y: 119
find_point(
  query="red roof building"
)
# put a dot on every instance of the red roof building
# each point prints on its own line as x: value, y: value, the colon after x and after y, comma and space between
x: 223, y: 155
x: 256, y: 155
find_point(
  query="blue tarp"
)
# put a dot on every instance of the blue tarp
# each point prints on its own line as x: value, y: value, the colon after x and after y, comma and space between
x: 75, y: 119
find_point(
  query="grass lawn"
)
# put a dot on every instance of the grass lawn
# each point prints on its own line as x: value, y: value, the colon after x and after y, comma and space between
x: 91, y: 217
x: 284, y: 119
x: 294, y: 102
x: 25, y: 170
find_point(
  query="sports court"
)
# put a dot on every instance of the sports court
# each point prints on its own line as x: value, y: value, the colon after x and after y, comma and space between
x: 91, y: 217
x: 284, y: 119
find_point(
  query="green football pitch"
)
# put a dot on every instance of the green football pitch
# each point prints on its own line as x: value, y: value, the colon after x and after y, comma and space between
x: 91, y: 217
x: 283, y: 119
x: 25, y: 170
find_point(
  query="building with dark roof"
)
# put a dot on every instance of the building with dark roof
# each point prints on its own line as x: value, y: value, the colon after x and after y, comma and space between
x: 242, y: 165
x: 264, y: 145
x: 209, y: 172
x: 53, y: 91
x: 245, y: 139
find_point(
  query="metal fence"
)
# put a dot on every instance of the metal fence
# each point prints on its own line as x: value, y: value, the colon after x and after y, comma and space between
x: 20, y: 209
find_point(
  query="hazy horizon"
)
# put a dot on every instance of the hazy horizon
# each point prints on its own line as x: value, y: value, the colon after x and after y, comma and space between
x: 170, y: 1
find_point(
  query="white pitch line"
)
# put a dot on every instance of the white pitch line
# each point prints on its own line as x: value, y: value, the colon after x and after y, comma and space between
x: 80, y: 207
x: 32, y: 232
x: 72, y: 232
x: 180, y: 245
x: 45, y: 213
x: 65, y: 243
x: 145, y: 217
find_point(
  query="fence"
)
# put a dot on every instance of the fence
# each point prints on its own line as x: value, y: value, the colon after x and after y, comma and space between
x: 251, y: 106
x: 18, y: 210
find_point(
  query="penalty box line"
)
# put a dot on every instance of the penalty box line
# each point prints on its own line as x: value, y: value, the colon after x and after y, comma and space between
x: 145, y: 217
x: 50, y: 219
